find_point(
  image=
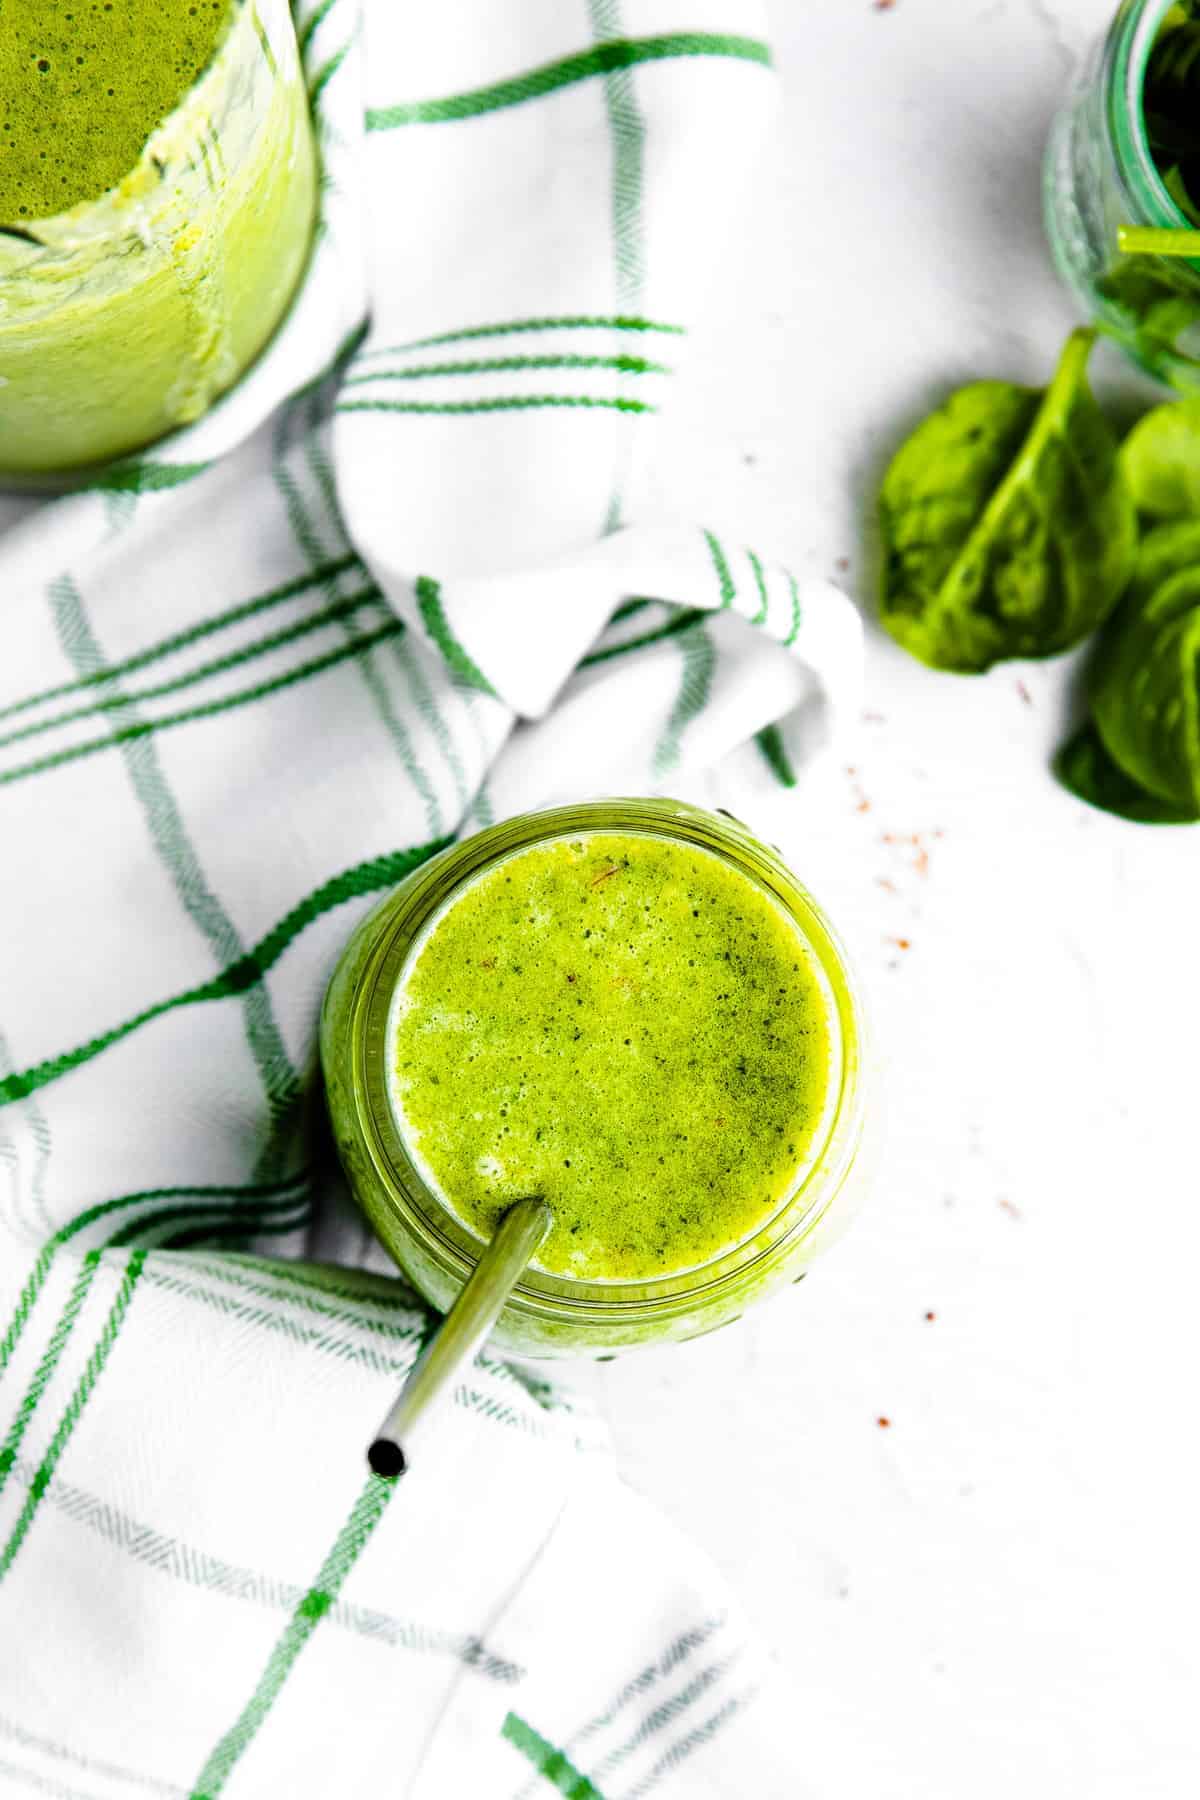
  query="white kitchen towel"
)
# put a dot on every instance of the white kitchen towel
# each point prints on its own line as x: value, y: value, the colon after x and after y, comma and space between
x: 387, y: 590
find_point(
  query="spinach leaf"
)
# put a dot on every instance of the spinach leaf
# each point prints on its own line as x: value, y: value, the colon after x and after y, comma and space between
x: 1179, y: 181
x: 1161, y: 460
x: 1145, y: 693
x: 1152, y: 307
x: 1139, y: 756
x: 1007, y: 524
x: 1085, y: 768
x: 1164, y: 551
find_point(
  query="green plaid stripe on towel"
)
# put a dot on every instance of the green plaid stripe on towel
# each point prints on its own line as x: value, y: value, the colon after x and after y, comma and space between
x: 387, y: 590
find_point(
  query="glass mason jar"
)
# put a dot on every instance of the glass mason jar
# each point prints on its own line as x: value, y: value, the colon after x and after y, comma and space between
x: 554, y: 1315
x: 1100, y: 174
x: 127, y: 315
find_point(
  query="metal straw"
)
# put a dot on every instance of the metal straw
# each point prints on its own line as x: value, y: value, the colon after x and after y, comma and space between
x: 462, y: 1331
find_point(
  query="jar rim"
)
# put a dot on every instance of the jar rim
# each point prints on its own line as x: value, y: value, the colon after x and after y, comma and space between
x: 404, y: 1198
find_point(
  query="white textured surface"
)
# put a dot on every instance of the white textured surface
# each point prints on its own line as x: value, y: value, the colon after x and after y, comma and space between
x: 998, y: 1594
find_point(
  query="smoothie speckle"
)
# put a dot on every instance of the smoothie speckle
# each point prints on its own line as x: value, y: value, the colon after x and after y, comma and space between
x: 658, y: 1075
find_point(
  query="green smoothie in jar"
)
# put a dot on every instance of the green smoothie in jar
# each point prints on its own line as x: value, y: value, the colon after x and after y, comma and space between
x: 632, y: 1011
x: 625, y: 1027
x: 157, y: 198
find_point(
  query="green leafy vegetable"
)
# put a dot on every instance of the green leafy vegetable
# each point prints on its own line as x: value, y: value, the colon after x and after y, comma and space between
x: 1151, y: 305
x: 1084, y: 766
x: 1161, y: 460
x: 1164, y: 551
x: 1008, y: 526
x: 1181, y: 183
x: 1139, y: 756
x: 1146, y: 693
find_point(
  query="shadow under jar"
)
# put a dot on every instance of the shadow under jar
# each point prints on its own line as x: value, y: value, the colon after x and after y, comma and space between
x: 157, y: 202
x: 633, y: 1010
x: 1101, y: 172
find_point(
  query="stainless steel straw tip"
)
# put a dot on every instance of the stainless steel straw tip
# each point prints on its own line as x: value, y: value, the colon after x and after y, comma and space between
x: 387, y: 1459
x: 459, y: 1337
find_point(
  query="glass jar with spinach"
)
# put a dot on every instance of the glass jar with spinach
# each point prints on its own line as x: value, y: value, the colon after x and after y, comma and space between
x: 1126, y: 151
